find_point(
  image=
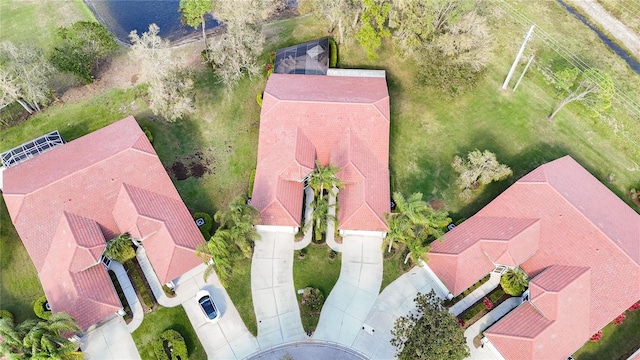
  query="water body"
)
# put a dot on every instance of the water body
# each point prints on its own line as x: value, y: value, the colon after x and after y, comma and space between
x: 123, y: 16
x: 631, y: 61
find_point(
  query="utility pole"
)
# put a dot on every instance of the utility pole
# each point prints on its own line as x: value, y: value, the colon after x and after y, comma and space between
x: 515, y: 62
x: 523, y: 72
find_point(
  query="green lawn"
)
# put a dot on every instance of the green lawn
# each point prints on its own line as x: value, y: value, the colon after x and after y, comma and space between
x: 19, y: 283
x: 160, y: 320
x: 316, y: 271
x: 618, y: 341
x: 35, y: 21
x: 239, y: 290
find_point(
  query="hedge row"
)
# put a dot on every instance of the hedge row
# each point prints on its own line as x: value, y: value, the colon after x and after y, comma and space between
x: 170, y: 339
x: 333, y: 53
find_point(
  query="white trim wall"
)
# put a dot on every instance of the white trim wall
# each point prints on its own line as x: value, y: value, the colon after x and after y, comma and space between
x: 276, y: 228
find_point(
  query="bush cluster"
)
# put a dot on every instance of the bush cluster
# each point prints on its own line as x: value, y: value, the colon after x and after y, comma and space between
x: 205, y: 228
x: 39, y: 309
x: 312, y: 301
x: 170, y: 339
x: 6, y: 314
x: 148, y: 133
x: 483, y: 305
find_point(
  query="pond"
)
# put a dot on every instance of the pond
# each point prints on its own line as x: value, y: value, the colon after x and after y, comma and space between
x: 122, y: 16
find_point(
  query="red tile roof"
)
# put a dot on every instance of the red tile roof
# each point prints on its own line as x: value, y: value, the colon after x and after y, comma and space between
x: 581, y: 224
x: 74, y: 188
x: 340, y: 120
x: 551, y: 325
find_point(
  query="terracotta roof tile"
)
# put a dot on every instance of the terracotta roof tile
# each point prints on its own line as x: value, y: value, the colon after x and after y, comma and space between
x: 332, y: 113
x: 577, y: 229
x: 83, y: 179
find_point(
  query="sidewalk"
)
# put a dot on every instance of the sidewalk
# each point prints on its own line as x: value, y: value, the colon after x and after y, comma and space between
x: 487, y: 352
x: 307, y: 229
x: 351, y: 299
x: 129, y: 294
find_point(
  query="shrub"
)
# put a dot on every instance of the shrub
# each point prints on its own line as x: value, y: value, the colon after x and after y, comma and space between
x: 332, y: 255
x: 6, y: 314
x: 333, y: 54
x: 620, y: 319
x: 514, y: 282
x: 205, y: 226
x: 148, y: 133
x: 168, y: 291
x: 302, y: 253
x: 170, y: 339
x: 259, y: 99
x: 39, y: 308
x: 120, y: 248
x: 487, y: 303
x: 312, y: 301
x: 595, y: 337
x: 635, y: 306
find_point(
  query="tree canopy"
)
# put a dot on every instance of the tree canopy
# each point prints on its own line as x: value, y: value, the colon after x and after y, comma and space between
x: 592, y: 87
x: 373, y: 26
x: 170, y: 85
x: 33, y: 339
x: 413, y: 223
x: 236, y: 234
x: 120, y: 248
x: 24, y: 71
x: 193, y: 13
x: 479, y: 168
x: 81, y: 46
x: 431, y: 333
x: 514, y: 282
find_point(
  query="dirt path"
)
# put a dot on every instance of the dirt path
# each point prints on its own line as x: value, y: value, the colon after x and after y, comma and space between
x: 615, y: 27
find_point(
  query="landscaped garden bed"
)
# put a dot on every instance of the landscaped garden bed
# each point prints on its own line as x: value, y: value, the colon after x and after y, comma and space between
x: 453, y: 301
x: 128, y: 315
x: 482, y: 307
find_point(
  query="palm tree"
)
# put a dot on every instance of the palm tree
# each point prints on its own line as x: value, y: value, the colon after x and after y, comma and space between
x: 120, y: 248
x: 238, y: 222
x: 217, y: 249
x: 320, y: 215
x: 413, y: 223
x: 40, y: 340
x: 324, y: 177
x: 514, y: 282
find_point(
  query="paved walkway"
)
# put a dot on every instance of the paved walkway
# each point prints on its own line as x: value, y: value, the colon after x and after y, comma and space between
x: 477, y: 294
x: 109, y: 341
x: 274, y: 297
x: 395, y: 300
x: 345, y: 310
x: 488, y: 352
x: 129, y: 294
x: 330, y: 236
x: 308, y: 229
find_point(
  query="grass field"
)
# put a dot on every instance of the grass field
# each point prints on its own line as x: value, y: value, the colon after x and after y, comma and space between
x: 34, y: 22
x: 618, y: 341
x: 160, y: 320
x: 315, y: 271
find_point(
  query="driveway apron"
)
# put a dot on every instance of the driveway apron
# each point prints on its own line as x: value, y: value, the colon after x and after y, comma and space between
x: 109, y: 341
x: 274, y: 297
x: 373, y: 338
x: 226, y: 339
x: 346, y: 308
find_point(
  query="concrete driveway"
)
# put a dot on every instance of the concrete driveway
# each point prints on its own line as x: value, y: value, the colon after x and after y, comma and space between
x: 274, y: 297
x: 373, y: 339
x: 109, y: 341
x: 346, y: 308
x: 226, y: 339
